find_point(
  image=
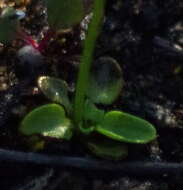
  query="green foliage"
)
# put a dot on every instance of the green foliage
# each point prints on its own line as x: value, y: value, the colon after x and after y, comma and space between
x: 124, y: 127
x: 61, y: 15
x: 49, y: 121
x: 105, y: 81
x: 87, y: 57
x: 56, y: 90
x: 103, y: 85
x: 64, y: 14
x: 92, y: 113
x: 9, y: 24
x: 107, y: 148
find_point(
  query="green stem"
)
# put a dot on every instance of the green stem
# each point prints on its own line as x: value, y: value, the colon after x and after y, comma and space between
x: 89, y: 45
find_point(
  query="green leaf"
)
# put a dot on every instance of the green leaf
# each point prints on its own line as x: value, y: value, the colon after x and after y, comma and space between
x: 49, y: 121
x: 107, y: 148
x: 105, y: 81
x: 64, y: 14
x: 9, y: 24
x: 55, y: 90
x: 35, y: 143
x: 126, y: 128
x: 92, y: 113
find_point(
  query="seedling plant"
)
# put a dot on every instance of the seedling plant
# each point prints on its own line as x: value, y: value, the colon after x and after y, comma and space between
x: 105, y: 133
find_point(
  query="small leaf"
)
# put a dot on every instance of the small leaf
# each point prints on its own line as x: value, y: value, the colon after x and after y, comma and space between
x: 9, y: 24
x: 92, y: 113
x: 35, y: 143
x: 64, y: 14
x: 55, y: 90
x: 107, y: 148
x: 105, y: 81
x: 126, y: 128
x: 49, y: 121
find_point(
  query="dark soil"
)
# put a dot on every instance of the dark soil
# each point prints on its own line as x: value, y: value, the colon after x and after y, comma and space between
x: 146, y: 38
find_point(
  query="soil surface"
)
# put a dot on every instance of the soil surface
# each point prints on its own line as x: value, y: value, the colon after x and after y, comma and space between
x: 146, y: 39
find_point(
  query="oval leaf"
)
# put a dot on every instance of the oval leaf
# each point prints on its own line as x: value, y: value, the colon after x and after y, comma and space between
x: 9, y: 24
x: 126, y: 128
x: 105, y: 81
x: 108, y: 149
x: 49, y: 121
x: 55, y: 90
x: 64, y: 14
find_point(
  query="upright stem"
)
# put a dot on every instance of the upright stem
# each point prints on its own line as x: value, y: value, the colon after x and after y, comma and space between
x: 89, y: 45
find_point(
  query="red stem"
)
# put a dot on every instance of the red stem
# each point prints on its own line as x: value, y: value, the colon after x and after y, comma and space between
x: 28, y: 39
x: 39, y: 46
x: 44, y: 42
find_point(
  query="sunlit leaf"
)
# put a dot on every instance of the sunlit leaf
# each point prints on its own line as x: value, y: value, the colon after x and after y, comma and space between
x: 126, y: 128
x: 64, y: 14
x: 105, y: 81
x: 56, y: 90
x: 49, y: 121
